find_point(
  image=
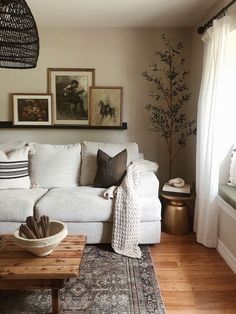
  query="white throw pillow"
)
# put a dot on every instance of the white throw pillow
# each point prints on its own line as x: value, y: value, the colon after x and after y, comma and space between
x: 55, y: 165
x: 14, y: 169
x: 7, y: 147
x: 89, y: 157
x: 232, y: 172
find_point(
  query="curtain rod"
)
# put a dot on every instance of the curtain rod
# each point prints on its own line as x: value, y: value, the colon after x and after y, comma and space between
x: 219, y: 15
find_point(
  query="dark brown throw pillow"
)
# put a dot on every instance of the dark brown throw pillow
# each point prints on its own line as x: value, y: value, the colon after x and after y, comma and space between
x: 110, y: 170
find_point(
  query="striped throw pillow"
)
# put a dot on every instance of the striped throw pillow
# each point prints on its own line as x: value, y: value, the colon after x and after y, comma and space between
x: 14, y: 169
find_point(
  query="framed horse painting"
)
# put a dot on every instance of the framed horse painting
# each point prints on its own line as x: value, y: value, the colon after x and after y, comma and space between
x: 105, y: 106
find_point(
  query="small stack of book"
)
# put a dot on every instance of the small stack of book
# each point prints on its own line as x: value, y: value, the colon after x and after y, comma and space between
x: 172, y: 190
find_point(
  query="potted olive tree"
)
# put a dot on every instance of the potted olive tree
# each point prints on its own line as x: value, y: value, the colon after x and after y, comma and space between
x: 169, y: 94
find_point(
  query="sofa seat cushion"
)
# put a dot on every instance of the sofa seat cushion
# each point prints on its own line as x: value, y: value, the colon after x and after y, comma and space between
x: 17, y: 204
x: 76, y: 204
x: 87, y: 204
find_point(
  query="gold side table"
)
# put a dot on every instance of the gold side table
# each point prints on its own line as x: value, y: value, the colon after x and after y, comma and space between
x: 176, y: 215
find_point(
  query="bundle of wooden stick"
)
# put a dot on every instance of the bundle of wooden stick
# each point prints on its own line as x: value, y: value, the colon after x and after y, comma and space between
x: 35, y: 228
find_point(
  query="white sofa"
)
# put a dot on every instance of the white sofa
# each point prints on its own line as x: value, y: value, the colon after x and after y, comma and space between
x: 61, y: 187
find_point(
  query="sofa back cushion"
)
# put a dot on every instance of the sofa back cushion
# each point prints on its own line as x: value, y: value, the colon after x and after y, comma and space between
x: 89, y: 157
x: 14, y: 169
x: 55, y: 165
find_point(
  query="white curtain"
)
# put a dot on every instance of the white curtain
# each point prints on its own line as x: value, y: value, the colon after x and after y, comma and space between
x: 210, y: 106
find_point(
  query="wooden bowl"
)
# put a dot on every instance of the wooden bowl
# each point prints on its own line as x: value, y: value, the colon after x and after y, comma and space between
x: 45, y: 246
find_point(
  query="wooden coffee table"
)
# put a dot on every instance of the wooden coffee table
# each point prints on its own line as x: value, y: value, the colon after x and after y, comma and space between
x: 20, y: 269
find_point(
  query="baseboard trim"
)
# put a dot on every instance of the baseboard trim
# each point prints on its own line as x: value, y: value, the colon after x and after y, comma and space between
x: 229, y: 258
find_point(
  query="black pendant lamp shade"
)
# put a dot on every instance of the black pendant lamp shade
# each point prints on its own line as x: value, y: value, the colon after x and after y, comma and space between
x: 19, y: 40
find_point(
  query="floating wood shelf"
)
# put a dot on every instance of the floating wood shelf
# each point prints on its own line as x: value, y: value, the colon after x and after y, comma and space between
x: 9, y: 125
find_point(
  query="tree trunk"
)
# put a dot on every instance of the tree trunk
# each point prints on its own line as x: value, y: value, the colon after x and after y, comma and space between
x: 170, y: 162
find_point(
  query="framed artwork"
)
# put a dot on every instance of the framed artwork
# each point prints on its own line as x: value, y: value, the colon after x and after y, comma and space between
x: 70, y: 88
x: 105, y: 106
x: 32, y: 109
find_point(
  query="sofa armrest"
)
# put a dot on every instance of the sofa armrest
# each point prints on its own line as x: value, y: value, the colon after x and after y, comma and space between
x: 148, y: 185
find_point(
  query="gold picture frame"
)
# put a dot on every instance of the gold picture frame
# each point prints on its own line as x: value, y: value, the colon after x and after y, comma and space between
x: 70, y: 88
x: 105, y: 106
x: 32, y: 109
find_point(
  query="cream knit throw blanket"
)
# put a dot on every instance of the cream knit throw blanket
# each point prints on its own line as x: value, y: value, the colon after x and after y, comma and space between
x: 126, y: 217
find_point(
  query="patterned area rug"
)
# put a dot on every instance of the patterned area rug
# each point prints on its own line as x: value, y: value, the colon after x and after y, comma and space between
x: 108, y: 283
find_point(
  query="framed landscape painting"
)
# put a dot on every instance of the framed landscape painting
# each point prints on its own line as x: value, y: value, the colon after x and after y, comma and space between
x: 70, y: 88
x: 105, y: 106
x: 32, y: 109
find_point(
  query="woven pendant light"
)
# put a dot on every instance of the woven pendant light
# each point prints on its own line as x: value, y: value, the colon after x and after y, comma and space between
x: 19, y: 40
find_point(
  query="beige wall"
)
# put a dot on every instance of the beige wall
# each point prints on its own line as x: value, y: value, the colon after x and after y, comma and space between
x: 119, y: 57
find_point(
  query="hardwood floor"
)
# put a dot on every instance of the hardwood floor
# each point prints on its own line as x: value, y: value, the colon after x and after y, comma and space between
x: 193, y: 279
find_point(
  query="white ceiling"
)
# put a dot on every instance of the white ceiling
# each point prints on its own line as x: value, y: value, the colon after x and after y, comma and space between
x: 119, y: 13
